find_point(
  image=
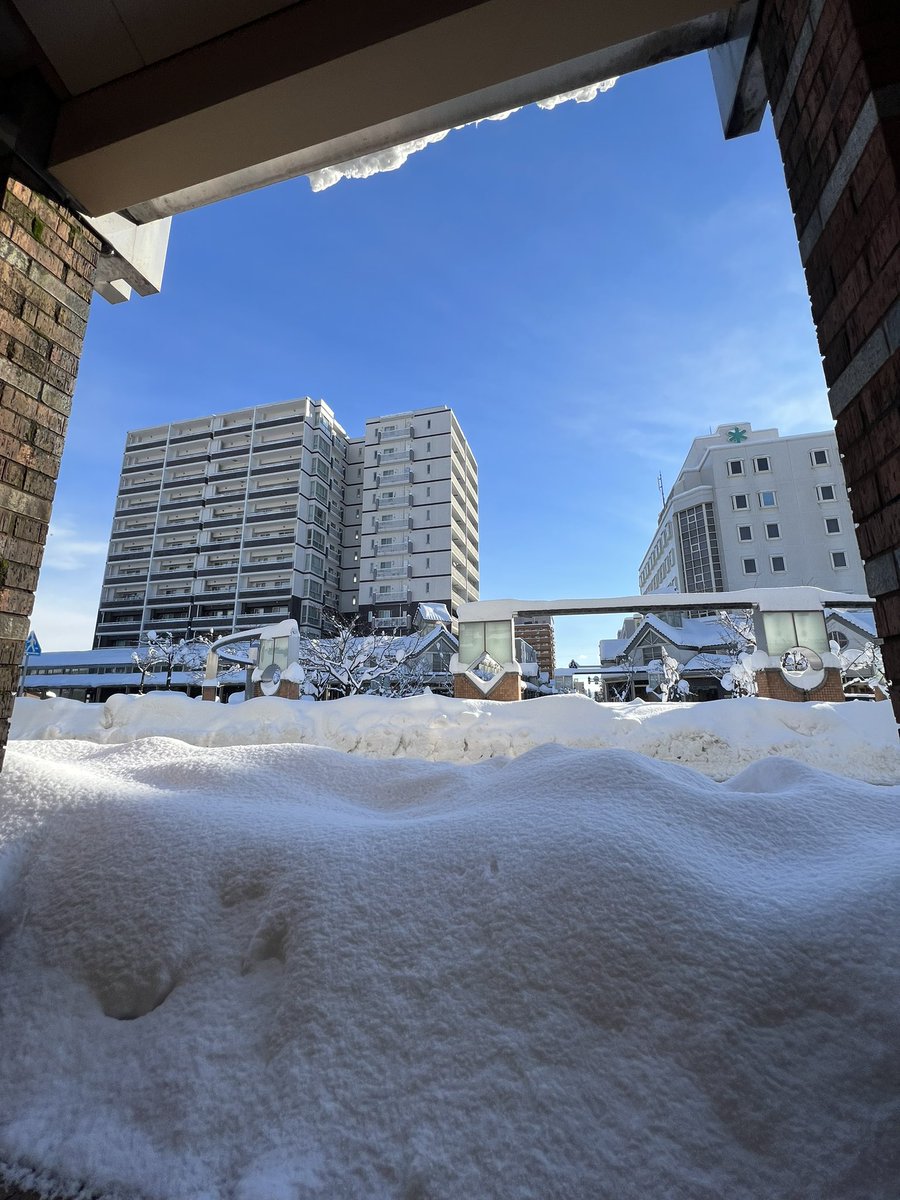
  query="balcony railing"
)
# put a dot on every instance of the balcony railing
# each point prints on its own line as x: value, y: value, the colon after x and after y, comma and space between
x: 398, y: 546
x: 392, y: 522
x: 394, y: 435
x: 392, y: 622
x: 394, y: 596
x: 403, y: 475
x: 390, y: 572
x: 387, y: 458
x: 398, y: 500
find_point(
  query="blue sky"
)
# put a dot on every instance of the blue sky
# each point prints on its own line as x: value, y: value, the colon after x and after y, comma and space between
x: 589, y: 288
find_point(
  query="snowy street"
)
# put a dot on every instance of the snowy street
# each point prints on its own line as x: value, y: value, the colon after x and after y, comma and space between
x: 412, y: 949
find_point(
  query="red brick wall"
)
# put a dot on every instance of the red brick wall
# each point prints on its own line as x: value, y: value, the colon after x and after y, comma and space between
x: 772, y: 684
x: 47, y: 263
x: 833, y: 76
x: 508, y: 687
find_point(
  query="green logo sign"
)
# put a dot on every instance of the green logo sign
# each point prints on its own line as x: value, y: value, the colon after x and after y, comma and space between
x: 737, y: 435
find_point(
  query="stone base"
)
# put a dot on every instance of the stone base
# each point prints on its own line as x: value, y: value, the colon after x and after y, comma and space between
x: 772, y: 684
x: 507, y: 687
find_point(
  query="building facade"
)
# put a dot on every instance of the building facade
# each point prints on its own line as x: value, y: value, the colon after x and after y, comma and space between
x: 271, y: 512
x: 750, y: 508
x: 539, y: 632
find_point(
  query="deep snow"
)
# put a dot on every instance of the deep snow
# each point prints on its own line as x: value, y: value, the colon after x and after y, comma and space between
x: 279, y: 971
x: 857, y: 739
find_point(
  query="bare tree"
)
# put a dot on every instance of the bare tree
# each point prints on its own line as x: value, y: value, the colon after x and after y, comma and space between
x: 730, y: 664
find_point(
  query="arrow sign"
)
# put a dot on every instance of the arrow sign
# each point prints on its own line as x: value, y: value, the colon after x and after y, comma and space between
x: 32, y: 645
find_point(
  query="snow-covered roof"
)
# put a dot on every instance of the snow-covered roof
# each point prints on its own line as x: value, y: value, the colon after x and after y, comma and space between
x: 434, y: 613
x: 694, y: 633
x: 861, y: 619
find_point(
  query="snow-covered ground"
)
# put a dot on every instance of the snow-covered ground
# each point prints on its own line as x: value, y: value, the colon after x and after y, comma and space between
x: 240, y: 963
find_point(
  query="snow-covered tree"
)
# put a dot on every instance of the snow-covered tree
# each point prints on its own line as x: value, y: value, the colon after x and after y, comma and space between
x: 730, y: 663
x: 345, y: 662
x: 161, y: 653
x: 862, y: 668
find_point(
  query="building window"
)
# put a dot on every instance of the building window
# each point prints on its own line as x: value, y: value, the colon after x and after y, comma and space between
x: 777, y: 563
x: 773, y: 530
x: 749, y: 565
x: 818, y: 458
x: 745, y: 533
x: 832, y: 525
x: 838, y: 559
x: 825, y: 491
x: 700, y: 549
x: 767, y: 499
x: 740, y: 501
x: 762, y: 463
x: 735, y: 466
x: 840, y: 639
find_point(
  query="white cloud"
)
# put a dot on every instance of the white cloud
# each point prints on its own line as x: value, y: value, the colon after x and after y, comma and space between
x: 69, y: 550
x: 392, y: 158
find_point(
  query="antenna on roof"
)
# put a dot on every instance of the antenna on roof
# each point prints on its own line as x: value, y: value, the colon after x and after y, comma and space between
x: 662, y: 494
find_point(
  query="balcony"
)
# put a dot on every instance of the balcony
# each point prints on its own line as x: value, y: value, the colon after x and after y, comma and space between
x: 392, y: 522
x: 387, y: 458
x: 398, y: 500
x: 402, y: 475
x: 393, y: 547
x: 390, y: 572
x: 391, y: 622
x: 395, y: 434
x: 395, y: 596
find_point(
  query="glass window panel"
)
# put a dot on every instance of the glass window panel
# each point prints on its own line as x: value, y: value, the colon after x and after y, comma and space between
x: 779, y: 630
x: 471, y: 641
x: 498, y: 640
x: 811, y: 631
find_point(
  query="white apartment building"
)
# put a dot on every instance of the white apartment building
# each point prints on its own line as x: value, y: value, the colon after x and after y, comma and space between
x: 411, y: 508
x: 271, y: 512
x: 753, y: 509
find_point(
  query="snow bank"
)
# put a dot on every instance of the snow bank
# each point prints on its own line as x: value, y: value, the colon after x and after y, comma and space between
x: 279, y: 972
x: 856, y: 739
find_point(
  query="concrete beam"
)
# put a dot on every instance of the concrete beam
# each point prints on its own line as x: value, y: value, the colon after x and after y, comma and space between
x: 323, y: 81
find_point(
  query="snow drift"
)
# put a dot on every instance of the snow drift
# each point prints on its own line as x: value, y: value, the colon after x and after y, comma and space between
x: 279, y: 971
x: 236, y: 965
x: 855, y: 739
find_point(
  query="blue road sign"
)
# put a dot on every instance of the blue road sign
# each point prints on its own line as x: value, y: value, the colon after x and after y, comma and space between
x: 32, y: 645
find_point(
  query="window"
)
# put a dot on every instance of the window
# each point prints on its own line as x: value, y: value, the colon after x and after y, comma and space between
x: 838, y: 559
x: 427, y: 564
x: 777, y: 563
x: 825, y: 491
x: 840, y: 639
x: 739, y: 502
x: 767, y: 499
x: 761, y: 464
x: 818, y: 458
x: 832, y: 525
x: 735, y: 466
x: 773, y: 530
x: 749, y: 565
x: 745, y: 533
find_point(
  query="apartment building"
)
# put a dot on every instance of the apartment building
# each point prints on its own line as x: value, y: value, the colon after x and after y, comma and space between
x: 539, y: 633
x: 412, y: 499
x: 227, y: 521
x: 751, y: 508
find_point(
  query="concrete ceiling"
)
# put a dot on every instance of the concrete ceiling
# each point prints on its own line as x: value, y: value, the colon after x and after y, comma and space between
x: 162, y: 105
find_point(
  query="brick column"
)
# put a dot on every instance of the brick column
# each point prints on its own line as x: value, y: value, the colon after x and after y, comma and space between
x: 771, y: 683
x: 833, y: 77
x: 47, y: 264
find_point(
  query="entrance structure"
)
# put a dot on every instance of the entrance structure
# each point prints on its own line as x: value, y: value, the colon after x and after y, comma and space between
x: 114, y: 117
x: 793, y: 660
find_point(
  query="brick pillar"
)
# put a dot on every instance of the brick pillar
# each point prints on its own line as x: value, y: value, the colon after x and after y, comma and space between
x: 47, y: 264
x: 507, y: 687
x: 771, y: 683
x: 833, y: 77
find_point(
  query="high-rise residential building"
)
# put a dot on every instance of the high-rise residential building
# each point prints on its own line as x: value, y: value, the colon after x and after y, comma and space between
x: 539, y: 633
x: 753, y: 509
x: 226, y: 522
